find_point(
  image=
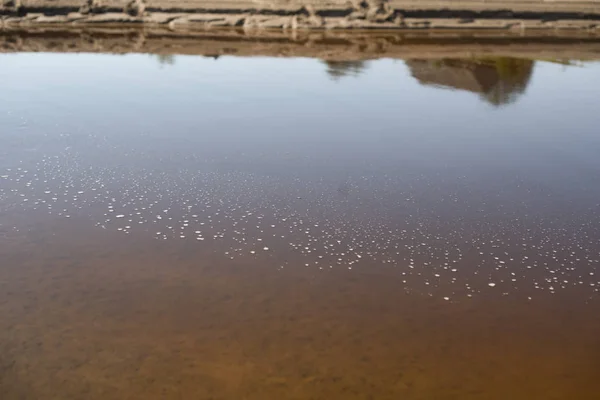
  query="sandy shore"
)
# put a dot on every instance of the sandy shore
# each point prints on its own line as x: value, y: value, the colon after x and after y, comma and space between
x: 293, y: 15
x: 325, y: 45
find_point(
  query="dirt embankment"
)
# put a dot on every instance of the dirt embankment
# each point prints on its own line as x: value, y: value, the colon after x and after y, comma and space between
x: 325, y: 45
x: 297, y: 15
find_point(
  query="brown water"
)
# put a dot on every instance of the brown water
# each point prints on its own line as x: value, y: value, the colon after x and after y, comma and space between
x: 260, y: 228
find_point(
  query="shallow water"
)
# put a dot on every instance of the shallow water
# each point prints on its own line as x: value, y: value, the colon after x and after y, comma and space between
x: 189, y: 227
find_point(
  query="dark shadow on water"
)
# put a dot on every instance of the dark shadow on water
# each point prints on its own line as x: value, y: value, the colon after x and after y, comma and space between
x: 340, y: 69
x: 165, y: 59
x: 498, y: 80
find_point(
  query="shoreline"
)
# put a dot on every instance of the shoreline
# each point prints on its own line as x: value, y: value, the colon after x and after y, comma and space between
x: 291, y: 15
x: 324, y: 45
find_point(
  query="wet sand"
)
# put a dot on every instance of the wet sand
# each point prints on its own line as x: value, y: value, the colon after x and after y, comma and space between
x: 329, y: 46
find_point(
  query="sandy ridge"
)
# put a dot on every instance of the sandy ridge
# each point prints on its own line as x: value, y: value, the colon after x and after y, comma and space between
x: 311, y: 14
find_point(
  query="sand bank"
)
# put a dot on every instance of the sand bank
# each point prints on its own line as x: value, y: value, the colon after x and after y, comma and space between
x: 325, y: 45
x: 294, y: 15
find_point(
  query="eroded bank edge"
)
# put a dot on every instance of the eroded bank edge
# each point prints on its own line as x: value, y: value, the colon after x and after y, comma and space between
x: 373, y: 14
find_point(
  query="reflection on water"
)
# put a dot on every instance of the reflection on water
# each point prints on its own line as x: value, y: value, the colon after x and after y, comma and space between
x: 499, y: 81
x: 340, y: 69
x: 165, y: 59
x: 255, y: 228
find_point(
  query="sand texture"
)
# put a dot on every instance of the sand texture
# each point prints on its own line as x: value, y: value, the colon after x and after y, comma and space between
x: 313, y: 14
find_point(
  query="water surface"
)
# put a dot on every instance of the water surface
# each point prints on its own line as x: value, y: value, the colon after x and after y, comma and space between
x: 191, y: 227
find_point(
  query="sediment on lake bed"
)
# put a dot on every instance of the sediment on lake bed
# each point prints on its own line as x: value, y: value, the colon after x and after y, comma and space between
x: 294, y: 15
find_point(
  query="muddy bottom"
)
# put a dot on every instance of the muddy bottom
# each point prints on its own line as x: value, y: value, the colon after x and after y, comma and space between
x: 85, y: 315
